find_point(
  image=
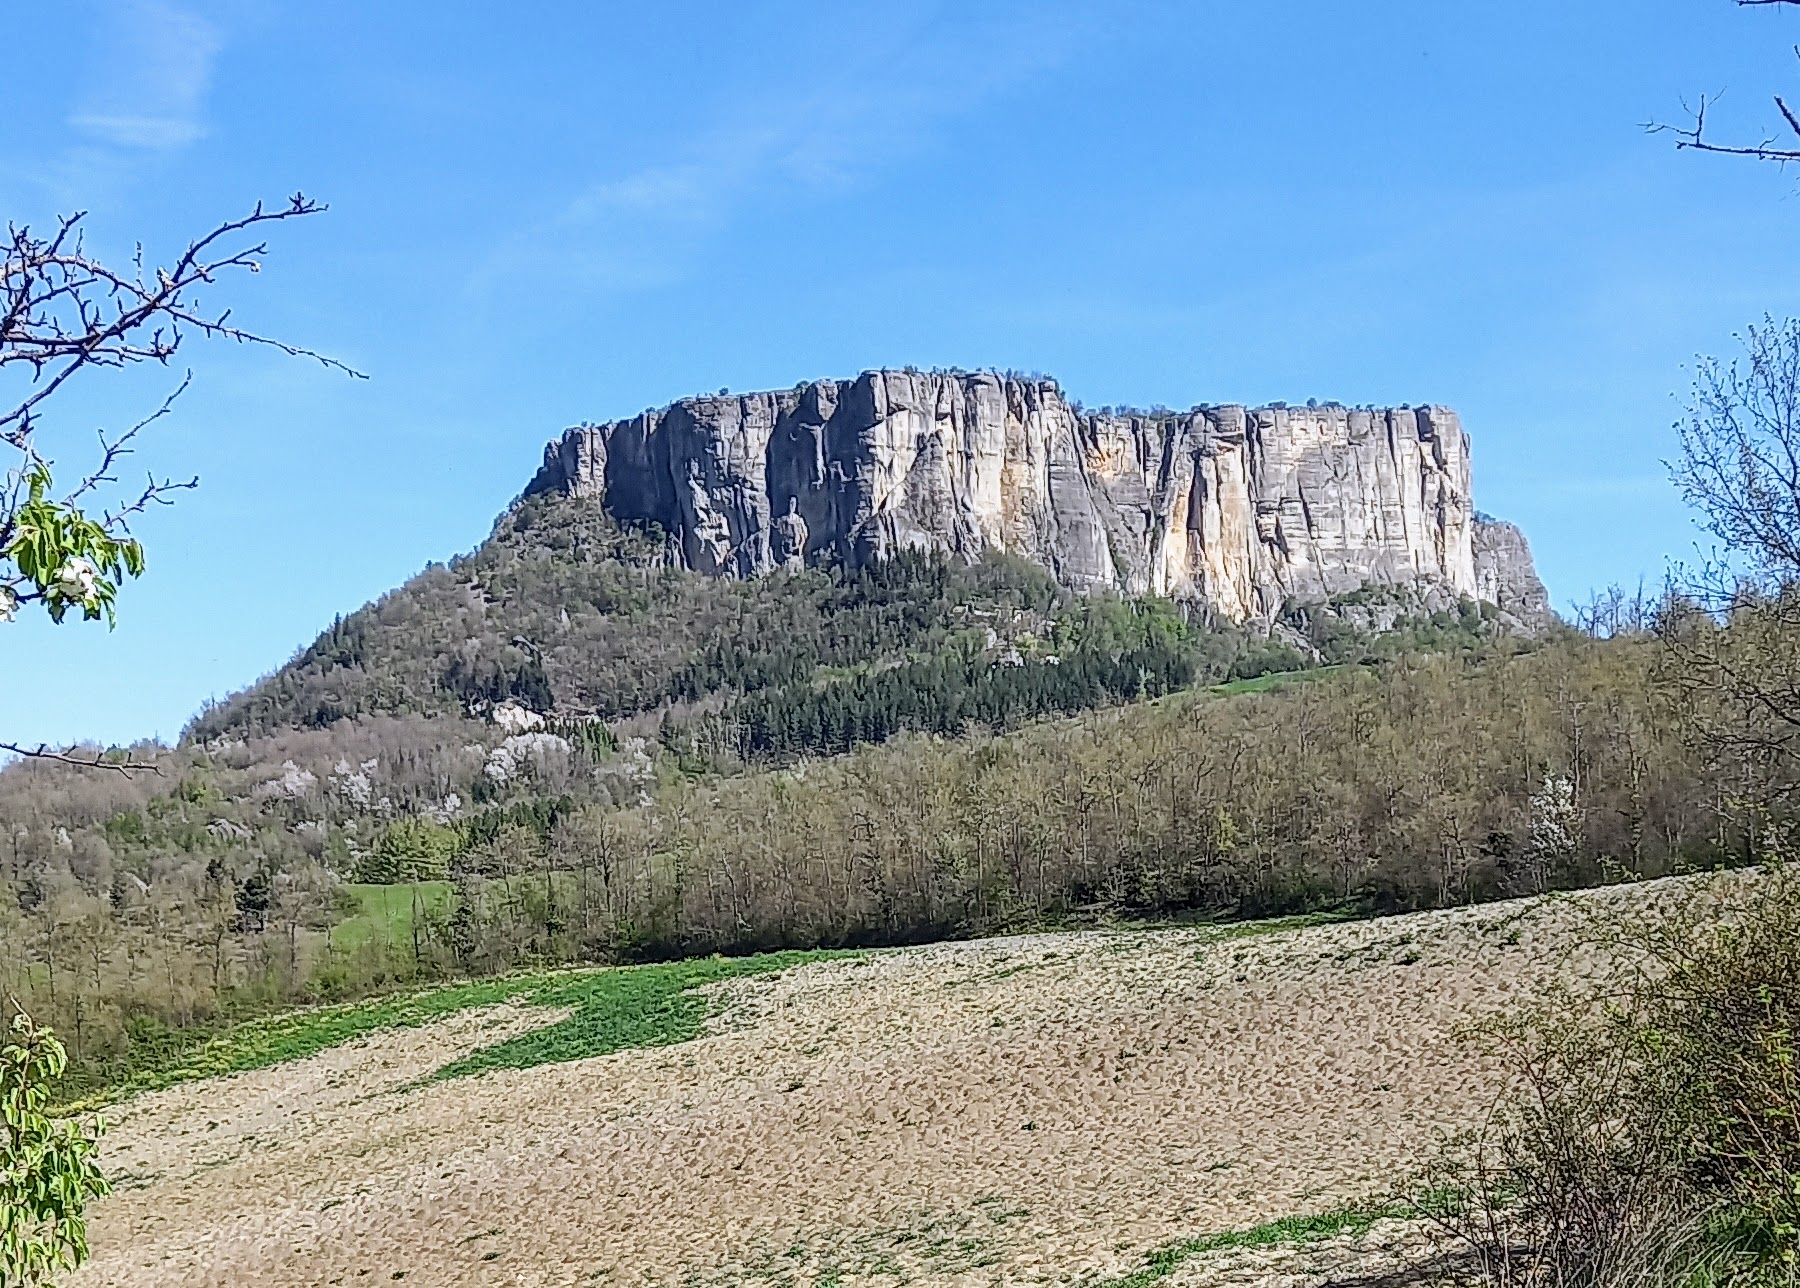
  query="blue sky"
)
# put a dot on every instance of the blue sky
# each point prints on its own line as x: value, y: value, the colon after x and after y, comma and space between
x: 549, y: 212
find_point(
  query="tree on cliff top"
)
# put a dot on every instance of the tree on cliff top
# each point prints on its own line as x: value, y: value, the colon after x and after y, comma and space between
x: 68, y: 547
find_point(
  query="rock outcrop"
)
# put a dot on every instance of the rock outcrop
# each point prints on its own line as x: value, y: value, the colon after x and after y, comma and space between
x: 1505, y: 574
x: 1241, y: 509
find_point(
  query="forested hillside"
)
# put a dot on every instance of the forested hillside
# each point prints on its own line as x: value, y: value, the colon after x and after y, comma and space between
x: 333, y: 861
x: 566, y: 614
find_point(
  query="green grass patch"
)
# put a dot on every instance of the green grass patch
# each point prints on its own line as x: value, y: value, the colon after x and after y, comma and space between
x: 1349, y: 1220
x: 615, y: 1008
x: 1273, y: 680
x: 259, y: 1043
x: 630, y: 1006
x: 385, y: 914
x: 1276, y: 925
x: 1215, y: 930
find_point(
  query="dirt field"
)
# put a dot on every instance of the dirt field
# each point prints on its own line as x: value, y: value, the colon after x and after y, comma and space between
x: 1044, y: 1109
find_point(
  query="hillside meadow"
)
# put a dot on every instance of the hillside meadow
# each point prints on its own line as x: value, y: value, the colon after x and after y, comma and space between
x: 140, y: 914
x: 1099, y: 1107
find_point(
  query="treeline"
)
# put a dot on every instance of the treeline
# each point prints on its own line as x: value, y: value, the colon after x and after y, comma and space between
x: 1104, y: 654
x: 1404, y: 784
x: 1101, y: 654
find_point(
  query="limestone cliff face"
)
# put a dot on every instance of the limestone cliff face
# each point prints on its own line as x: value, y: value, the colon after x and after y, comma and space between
x: 1504, y: 572
x: 1238, y: 508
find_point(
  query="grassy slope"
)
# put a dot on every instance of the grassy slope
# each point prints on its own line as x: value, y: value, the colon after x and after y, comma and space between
x: 619, y: 1008
x: 1351, y: 1221
x: 1273, y: 680
x: 385, y: 913
x: 614, y: 1008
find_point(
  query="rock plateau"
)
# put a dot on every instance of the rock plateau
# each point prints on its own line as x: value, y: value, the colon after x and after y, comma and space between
x: 1240, y: 509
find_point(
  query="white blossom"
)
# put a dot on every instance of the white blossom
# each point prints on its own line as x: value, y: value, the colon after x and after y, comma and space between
x: 636, y: 762
x: 1555, y: 822
x: 633, y: 767
x: 75, y: 579
x: 513, y: 718
x: 290, y: 785
x: 352, y: 782
x: 9, y: 604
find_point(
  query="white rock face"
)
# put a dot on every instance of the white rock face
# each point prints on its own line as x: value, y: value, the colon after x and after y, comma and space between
x: 1504, y: 572
x: 1237, y: 508
x: 513, y: 718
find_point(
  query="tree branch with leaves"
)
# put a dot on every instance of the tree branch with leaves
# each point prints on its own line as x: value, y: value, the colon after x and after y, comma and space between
x: 48, y: 1169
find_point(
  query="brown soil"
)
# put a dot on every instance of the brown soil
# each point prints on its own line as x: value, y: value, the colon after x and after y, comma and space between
x: 1043, y: 1109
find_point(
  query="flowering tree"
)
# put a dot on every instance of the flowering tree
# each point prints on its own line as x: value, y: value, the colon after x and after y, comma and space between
x: 1555, y: 831
x: 68, y: 548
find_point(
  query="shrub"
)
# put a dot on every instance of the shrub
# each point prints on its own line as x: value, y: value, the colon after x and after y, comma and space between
x: 1654, y: 1133
x: 47, y: 1168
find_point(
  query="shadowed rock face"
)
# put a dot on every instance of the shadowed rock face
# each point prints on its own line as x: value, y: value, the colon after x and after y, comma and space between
x: 1237, y: 508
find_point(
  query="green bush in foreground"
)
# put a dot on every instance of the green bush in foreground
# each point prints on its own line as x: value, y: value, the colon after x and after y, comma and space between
x: 47, y: 1168
x: 1655, y: 1137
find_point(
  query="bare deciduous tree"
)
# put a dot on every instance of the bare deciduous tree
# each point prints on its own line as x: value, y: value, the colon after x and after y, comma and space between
x: 1733, y: 627
x: 64, y: 311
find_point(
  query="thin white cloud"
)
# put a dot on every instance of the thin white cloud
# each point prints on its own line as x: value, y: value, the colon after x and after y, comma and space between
x: 146, y: 89
x: 670, y: 192
x: 155, y: 133
x: 856, y: 113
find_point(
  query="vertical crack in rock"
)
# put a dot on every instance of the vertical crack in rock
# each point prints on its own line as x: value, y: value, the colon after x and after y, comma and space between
x: 1237, y: 508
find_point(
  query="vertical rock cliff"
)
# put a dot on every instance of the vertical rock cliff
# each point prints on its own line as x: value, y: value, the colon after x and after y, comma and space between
x: 1505, y: 574
x: 1237, y: 508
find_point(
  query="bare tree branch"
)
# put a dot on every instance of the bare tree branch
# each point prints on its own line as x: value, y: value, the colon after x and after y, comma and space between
x: 112, y: 449
x: 95, y: 760
x: 1694, y: 136
x: 62, y: 310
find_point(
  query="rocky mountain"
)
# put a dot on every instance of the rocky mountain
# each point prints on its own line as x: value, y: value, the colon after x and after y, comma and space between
x: 1241, y: 509
x: 778, y: 573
